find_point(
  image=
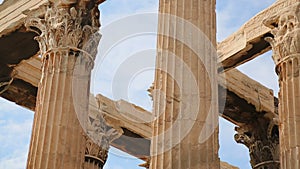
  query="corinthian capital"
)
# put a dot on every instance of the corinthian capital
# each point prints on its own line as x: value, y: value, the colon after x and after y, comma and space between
x: 68, y: 24
x: 262, y: 142
x: 98, y: 139
x: 285, y: 27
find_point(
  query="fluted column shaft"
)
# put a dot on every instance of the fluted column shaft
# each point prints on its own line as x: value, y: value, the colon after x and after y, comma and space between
x: 185, y: 132
x: 68, y: 38
x: 57, y: 140
x: 286, y: 54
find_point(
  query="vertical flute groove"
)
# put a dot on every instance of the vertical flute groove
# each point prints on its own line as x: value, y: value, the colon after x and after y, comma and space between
x: 286, y: 54
x: 172, y: 146
x: 67, y: 33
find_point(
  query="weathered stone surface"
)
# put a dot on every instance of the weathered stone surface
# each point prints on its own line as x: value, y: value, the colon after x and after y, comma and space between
x: 12, y: 19
x: 261, y: 136
x: 23, y: 55
x: 240, y: 47
x: 285, y: 42
x: 236, y: 81
x: 235, y: 88
x: 99, y: 136
x: 249, y: 41
x: 68, y: 34
x: 178, y: 131
x: 249, y: 90
x: 115, y: 113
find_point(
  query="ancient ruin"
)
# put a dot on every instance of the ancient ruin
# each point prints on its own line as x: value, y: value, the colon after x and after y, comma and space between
x: 48, y: 71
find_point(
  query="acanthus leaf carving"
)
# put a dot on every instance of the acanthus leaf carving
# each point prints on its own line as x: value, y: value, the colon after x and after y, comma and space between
x: 100, y: 132
x: 285, y: 28
x: 261, y: 137
x: 67, y: 25
x: 99, y: 137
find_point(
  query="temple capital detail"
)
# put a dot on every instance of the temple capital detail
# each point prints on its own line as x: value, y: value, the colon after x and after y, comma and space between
x: 49, y: 48
x: 99, y: 136
x: 285, y: 28
x: 261, y: 137
x: 285, y: 42
x: 68, y: 37
x: 68, y: 26
x: 100, y: 133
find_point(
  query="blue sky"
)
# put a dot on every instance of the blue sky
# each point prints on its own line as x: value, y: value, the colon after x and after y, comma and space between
x: 15, y: 122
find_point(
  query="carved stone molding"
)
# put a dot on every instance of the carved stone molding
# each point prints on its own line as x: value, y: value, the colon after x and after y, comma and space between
x: 95, y: 154
x: 100, y: 132
x: 285, y: 42
x: 68, y: 38
x: 262, y: 138
x: 285, y: 27
x: 70, y: 26
x: 99, y: 136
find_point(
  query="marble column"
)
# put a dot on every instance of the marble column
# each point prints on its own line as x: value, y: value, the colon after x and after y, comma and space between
x: 285, y: 42
x: 68, y: 40
x: 185, y: 132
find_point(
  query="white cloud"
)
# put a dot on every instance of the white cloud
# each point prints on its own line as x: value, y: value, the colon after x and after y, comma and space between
x: 7, y: 105
x: 230, y: 151
x: 230, y: 17
x: 116, y: 9
x: 16, y: 160
x: 262, y: 69
x: 127, y: 69
x: 232, y: 14
x: 14, y: 139
x: 120, y: 160
x: 10, y: 129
